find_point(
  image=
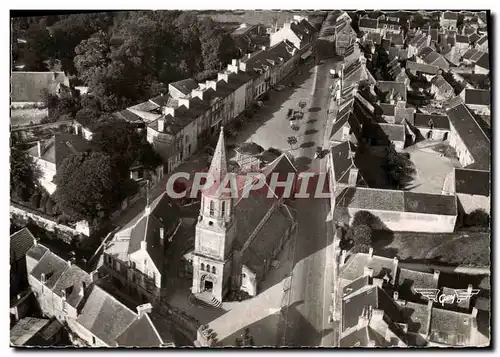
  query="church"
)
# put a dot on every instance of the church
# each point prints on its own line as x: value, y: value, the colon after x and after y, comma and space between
x: 237, y: 239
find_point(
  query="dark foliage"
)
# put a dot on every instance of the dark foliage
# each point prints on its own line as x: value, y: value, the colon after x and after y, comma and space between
x: 477, y: 218
x: 363, y: 218
x: 362, y: 235
x: 398, y: 168
x: 24, y: 174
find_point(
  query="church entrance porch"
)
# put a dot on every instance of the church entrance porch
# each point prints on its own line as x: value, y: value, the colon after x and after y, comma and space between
x: 208, y: 285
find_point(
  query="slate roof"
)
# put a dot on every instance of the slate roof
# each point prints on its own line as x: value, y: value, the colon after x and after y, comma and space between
x: 127, y: 115
x: 29, y: 86
x: 399, y: 201
x: 408, y: 280
x: 446, y: 326
x: 477, y: 96
x: 473, y: 38
x: 441, y: 83
x: 357, y: 284
x: 472, y: 182
x: 60, y: 146
x: 71, y: 282
x: 426, y: 51
x: 417, y: 316
x: 20, y: 243
x: 36, y: 252
x: 471, y: 134
x: 281, y: 165
x: 368, y: 23
x: 25, y: 329
x: 381, y: 133
x: 160, y: 100
x: 355, y: 265
x: 482, y: 40
x: 397, y: 39
x: 462, y: 39
x: 448, y: 15
x: 141, y: 333
x: 440, y: 121
x: 343, y: 159
x: 387, y: 109
x: 185, y: 86
x: 361, y: 338
x: 484, y: 61
x: 105, y: 317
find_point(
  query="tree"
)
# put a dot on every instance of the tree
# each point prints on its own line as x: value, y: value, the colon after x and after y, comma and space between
x: 24, y: 174
x: 49, y: 206
x: 362, y: 234
x: 35, y: 200
x: 363, y: 218
x: 88, y: 185
x: 292, y: 140
x: 38, y: 49
x: 398, y: 167
x: 477, y: 218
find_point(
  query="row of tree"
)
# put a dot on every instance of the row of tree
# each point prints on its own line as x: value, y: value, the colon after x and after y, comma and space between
x: 125, y: 57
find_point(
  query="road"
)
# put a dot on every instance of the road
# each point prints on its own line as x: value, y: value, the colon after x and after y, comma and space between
x: 311, y: 287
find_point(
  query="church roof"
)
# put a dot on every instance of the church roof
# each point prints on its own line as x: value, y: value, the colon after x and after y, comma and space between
x: 218, y: 167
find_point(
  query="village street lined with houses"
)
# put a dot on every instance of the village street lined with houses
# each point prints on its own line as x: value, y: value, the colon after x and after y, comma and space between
x: 382, y: 117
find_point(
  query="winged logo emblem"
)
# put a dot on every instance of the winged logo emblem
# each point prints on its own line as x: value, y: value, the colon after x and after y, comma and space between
x: 429, y: 294
x: 465, y: 294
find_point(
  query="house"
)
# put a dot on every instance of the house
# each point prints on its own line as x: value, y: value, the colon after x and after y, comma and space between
x: 389, y: 24
x: 249, y: 38
x: 135, y: 256
x: 299, y: 32
x: 345, y: 36
x: 432, y: 126
x: 467, y: 137
x: 35, y: 332
x: 341, y: 161
x: 472, y: 188
x: 382, y: 135
x: 236, y: 240
x: 399, y: 210
x: 431, y: 57
x: 366, y: 24
x: 29, y: 89
x: 441, y: 89
x: 50, y: 154
x: 417, y: 43
x: 477, y: 100
x: 462, y: 44
x: 426, y: 70
x: 397, y: 39
x: 20, y: 242
x: 393, y: 91
x: 482, y: 66
x: 449, y: 20
x: 482, y: 44
x: 94, y: 317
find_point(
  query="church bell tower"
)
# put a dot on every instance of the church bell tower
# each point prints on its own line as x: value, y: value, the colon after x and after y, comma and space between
x: 215, y: 232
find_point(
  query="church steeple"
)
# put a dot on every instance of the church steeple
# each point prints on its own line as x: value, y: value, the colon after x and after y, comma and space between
x: 218, y: 167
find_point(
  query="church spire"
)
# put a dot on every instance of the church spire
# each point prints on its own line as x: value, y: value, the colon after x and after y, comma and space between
x: 218, y: 167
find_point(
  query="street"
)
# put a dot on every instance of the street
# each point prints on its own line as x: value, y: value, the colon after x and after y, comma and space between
x: 311, y: 288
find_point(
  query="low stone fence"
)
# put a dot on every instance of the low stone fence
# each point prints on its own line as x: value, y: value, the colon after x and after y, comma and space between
x: 24, y: 215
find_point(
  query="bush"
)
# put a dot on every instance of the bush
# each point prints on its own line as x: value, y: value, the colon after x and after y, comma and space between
x: 362, y: 235
x: 363, y: 218
x: 477, y: 218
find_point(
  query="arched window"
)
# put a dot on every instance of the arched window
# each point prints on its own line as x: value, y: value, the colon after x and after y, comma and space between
x: 208, y: 268
x: 211, y: 208
x: 202, y: 266
x: 223, y: 208
x: 214, y: 270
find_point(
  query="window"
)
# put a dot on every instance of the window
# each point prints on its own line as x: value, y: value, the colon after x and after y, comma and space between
x: 244, y: 276
x: 211, y: 208
x: 223, y: 208
x: 133, y: 265
x: 208, y: 268
x: 202, y: 266
x: 214, y: 271
x: 93, y: 340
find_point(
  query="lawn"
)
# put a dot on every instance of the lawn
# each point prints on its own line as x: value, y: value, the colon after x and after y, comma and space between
x: 470, y: 248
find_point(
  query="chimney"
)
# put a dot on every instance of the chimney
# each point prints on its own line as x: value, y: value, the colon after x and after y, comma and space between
x: 286, y: 25
x: 235, y: 62
x: 211, y: 84
x: 395, y: 296
x: 81, y: 292
x: 162, y: 235
x: 144, y: 309
x: 39, y: 147
x: 429, y: 312
x: 370, y: 252
x: 19, y: 296
x: 363, y: 318
x: 342, y: 257
x: 394, y: 270
x: 368, y: 271
x: 353, y: 177
x: 197, y: 93
x: 94, y: 276
x: 436, y: 275
x: 69, y: 263
x: 144, y: 245
x: 223, y: 76
x: 378, y: 282
x: 169, y: 111
x: 161, y: 125
x: 42, y: 278
x: 184, y: 102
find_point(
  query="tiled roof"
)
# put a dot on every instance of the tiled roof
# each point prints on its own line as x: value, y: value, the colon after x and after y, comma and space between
x: 60, y: 146
x: 355, y: 265
x: 462, y: 39
x: 105, y: 317
x: 396, y: 38
x: 425, y: 52
x: 29, y: 86
x: 441, y: 83
x: 368, y: 23
x: 439, y: 121
x: 422, y: 67
x: 25, y: 329
x: 355, y: 285
x: 71, y: 282
x: 471, y: 134
x: 146, y: 106
x: 448, y: 15
x: 482, y: 40
x: 474, y: 37
x: 20, y: 243
x: 450, y: 327
x: 472, y: 182
x: 430, y: 204
x: 343, y: 159
x: 388, y: 86
x: 416, y: 316
x: 36, y: 252
x: 127, y: 115
x: 281, y: 165
x: 160, y: 100
x: 52, y: 266
x: 387, y: 109
x: 141, y: 333
x: 477, y: 96
x: 382, y: 133
x: 408, y: 280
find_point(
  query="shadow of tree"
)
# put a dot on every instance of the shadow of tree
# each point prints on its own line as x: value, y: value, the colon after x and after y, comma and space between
x: 302, y: 163
x: 311, y: 121
x: 310, y: 131
x: 314, y: 109
x: 308, y: 144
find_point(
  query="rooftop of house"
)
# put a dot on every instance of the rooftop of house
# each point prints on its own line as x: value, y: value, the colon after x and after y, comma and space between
x: 472, y: 182
x: 448, y: 15
x: 461, y: 39
x: 30, y: 86
x: 146, y: 227
x: 343, y: 159
x: 450, y: 327
x: 366, y: 22
x: 474, y: 37
x: 387, y: 109
x: 59, y: 147
x: 417, y: 316
x: 425, y: 120
x: 20, y: 243
x: 476, y: 141
x: 441, y: 83
x: 482, y: 40
x: 127, y: 115
x: 355, y: 265
x: 408, y: 280
x: 25, y: 329
x: 365, y: 336
x: 484, y: 61
x: 398, y: 201
x: 141, y: 333
x: 422, y: 67
x: 397, y: 39
x: 52, y: 266
x: 398, y: 88
x: 477, y: 96
x: 382, y: 132
x: 249, y: 148
x: 185, y: 86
